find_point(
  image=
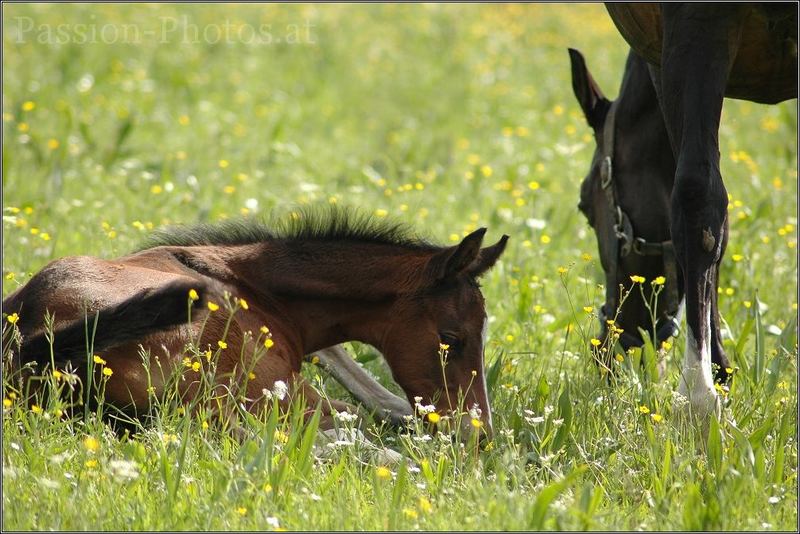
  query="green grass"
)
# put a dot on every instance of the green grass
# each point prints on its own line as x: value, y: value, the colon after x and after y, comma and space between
x: 449, y: 117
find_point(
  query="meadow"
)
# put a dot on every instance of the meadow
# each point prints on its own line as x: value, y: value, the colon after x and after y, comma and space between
x: 120, y: 119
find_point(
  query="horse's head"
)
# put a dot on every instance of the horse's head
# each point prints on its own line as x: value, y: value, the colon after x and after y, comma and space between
x: 434, y: 345
x: 626, y: 200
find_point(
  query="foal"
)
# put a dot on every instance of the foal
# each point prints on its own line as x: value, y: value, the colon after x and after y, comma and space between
x: 319, y: 281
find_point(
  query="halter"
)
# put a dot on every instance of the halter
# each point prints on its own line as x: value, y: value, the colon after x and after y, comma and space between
x: 626, y: 242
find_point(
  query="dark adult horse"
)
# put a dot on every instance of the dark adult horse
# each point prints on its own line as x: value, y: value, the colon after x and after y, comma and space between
x: 698, y: 54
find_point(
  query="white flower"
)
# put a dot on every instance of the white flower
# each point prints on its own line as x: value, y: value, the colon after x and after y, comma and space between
x: 273, y: 522
x: 774, y: 500
x: 424, y: 409
x: 558, y: 422
x: 280, y: 389
x: 124, y: 470
x: 267, y: 393
x: 345, y: 417
x: 475, y: 412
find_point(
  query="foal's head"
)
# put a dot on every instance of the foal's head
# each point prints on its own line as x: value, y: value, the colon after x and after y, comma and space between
x: 434, y: 344
x: 626, y: 199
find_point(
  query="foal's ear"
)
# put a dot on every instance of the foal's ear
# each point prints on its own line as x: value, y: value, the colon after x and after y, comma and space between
x: 487, y: 257
x: 453, y: 260
x: 593, y: 103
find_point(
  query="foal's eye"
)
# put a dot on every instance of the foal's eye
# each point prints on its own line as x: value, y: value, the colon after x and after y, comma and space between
x: 452, y: 342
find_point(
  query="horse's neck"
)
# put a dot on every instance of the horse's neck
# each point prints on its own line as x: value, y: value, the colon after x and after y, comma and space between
x: 642, y: 121
x: 330, y: 293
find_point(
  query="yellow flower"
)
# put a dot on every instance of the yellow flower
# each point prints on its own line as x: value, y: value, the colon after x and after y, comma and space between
x: 562, y: 270
x: 737, y: 257
x: 241, y: 510
x: 184, y: 120
x: 91, y: 444
x: 98, y: 360
x: 586, y: 256
x: 91, y: 463
x: 666, y: 345
x: 383, y: 473
x: 196, y: 367
x: 534, y: 185
x: 243, y: 304
x: 57, y: 374
x: 156, y: 189
x: 476, y: 423
x: 410, y: 513
x: 443, y: 346
x: 207, y: 355
x: 619, y: 357
x: 644, y: 409
x: 268, y: 343
x: 193, y: 294
x: 108, y: 371
x: 588, y: 309
x: 658, y: 281
x: 433, y: 417
x: 213, y: 306
x: 545, y: 239
x: 595, y: 342
x: 7, y: 403
x: 251, y: 375
x: 222, y: 345
x: 13, y: 318
x: 264, y: 330
x: 29, y: 106
x: 486, y: 170
x: 204, y: 425
x: 380, y: 212
x: 656, y: 417
x: 36, y: 409
x: 638, y: 279
x: 425, y: 505
x: 223, y: 164
x: 53, y: 144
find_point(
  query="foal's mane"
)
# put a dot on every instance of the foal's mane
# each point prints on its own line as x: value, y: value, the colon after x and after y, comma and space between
x: 321, y: 224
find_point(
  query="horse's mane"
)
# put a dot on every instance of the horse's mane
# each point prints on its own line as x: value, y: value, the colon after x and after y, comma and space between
x: 321, y: 224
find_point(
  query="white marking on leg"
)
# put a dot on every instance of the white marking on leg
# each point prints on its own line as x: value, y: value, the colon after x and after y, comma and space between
x: 696, y: 382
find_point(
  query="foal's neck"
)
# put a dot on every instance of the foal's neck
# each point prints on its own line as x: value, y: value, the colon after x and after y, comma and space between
x: 330, y: 292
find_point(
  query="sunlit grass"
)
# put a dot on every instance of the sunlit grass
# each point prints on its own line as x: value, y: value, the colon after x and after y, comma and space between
x: 450, y: 117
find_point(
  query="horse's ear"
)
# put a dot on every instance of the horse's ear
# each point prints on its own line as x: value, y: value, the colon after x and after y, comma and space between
x: 487, y: 257
x: 453, y: 260
x: 593, y: 103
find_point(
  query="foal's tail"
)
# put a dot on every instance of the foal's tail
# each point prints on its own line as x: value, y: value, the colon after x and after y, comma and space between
x: 147, y: 312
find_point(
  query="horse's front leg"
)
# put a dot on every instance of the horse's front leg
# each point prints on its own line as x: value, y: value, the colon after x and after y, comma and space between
x: 700, y: 42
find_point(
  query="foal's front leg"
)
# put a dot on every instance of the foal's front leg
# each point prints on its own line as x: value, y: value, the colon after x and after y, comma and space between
x: 376, y: 399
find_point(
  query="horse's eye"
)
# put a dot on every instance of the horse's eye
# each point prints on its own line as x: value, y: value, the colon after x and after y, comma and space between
x: 452, y: 342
